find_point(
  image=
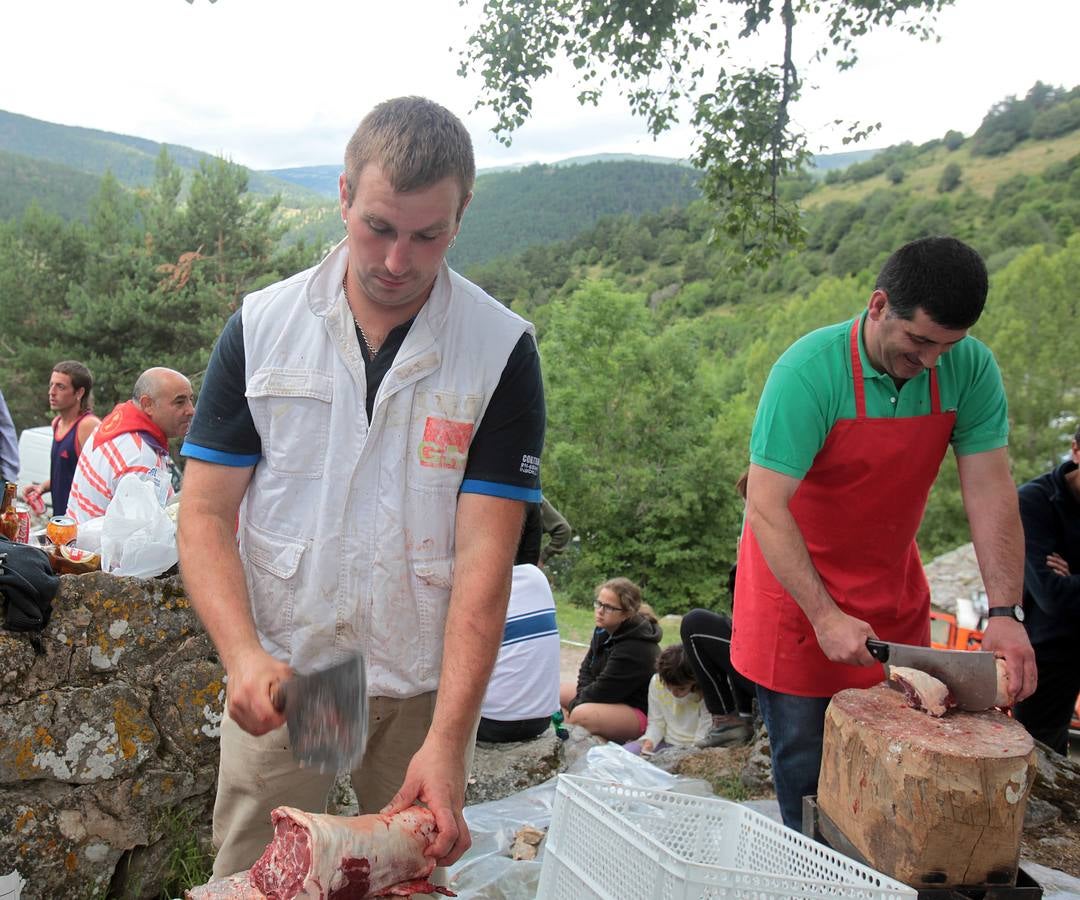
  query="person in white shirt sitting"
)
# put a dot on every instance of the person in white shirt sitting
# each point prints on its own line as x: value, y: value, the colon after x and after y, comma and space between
x: 523, y: 692
x: 677, y: 715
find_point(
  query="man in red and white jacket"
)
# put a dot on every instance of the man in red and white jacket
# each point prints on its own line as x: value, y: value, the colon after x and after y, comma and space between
x: 134, y: 437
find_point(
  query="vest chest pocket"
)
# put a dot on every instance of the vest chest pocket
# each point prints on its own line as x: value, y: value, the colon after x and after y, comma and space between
x: 443, y: 426
x: 291, y: 410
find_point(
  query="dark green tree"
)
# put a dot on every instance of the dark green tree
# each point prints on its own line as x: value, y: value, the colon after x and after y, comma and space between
x: 953, y: 140
x: 950, y: 178
x: 636, y: 452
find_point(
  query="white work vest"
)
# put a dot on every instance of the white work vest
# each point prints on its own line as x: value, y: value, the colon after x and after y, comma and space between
x: 347, y: 531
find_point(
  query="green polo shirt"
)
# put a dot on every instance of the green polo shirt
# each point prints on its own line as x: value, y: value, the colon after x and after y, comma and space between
x: 811, y: 386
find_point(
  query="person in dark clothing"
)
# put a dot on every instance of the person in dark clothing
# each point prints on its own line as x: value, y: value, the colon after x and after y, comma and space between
x: 1050, y: 510
x: 728, y: 696
x: 611, y: 696
x: 69, y: 397
x: 557, y: 530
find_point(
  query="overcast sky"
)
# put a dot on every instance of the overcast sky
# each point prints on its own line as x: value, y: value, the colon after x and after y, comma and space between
x: 278, y: 83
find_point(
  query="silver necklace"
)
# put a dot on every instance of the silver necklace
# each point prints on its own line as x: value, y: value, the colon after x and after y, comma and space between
x: 345, y: 287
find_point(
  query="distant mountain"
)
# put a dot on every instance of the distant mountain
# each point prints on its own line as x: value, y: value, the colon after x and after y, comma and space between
x: 92, y: 152
x: 511, y: 211
x: 828, y: 161
x: 322, y: 180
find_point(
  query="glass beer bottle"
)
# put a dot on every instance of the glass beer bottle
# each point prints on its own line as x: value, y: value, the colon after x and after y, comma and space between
x: 9, y: 518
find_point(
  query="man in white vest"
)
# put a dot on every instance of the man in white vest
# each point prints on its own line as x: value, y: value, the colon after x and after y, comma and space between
x: 374, y: 424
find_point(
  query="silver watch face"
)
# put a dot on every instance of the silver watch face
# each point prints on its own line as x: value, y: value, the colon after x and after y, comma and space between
x: 1018, y: 612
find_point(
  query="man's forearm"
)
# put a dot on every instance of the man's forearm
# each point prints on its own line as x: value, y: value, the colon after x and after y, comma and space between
x: 473, y: 634
x: 214, y: 579
x: 993, y: 512
x: 487, y: 534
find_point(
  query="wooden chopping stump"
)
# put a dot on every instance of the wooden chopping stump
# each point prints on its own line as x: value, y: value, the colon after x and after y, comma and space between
x: 930, y: 802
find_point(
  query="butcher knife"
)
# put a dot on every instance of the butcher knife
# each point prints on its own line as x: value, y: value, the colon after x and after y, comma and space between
x: 970, y: 675
x: 327, y: 715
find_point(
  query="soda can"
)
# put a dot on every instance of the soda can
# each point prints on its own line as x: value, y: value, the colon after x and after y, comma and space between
x: 61, y: 530
x: 37, y: 503
x: 22, y: 536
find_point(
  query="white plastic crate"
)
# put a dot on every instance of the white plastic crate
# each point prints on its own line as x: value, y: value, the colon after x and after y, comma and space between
x: 613, y: 842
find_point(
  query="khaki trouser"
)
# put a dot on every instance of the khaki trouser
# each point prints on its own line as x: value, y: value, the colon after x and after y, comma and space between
x: 257, y: 774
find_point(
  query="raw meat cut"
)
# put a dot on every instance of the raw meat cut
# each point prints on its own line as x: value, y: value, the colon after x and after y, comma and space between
x: 921, y: 691
x: 323, y: 857
x: 1004, y: 698
x: 346, y: 857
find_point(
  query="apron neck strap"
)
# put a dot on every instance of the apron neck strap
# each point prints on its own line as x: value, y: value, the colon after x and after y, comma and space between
x: 860, y: 388
x: 856, y: 371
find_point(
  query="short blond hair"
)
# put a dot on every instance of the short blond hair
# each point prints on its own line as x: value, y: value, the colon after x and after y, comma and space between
x: 416, y: 143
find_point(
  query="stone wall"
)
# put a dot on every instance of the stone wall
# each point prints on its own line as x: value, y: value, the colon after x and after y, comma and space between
x: 108, y: 742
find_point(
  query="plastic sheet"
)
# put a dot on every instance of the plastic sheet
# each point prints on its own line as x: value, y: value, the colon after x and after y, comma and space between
x: 487, y: 872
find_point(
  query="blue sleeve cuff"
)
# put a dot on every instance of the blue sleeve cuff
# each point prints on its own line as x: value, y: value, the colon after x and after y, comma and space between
x: 220, y: 457
x: 506, y: 491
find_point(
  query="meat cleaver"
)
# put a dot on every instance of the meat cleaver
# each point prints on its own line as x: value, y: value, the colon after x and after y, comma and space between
x: 327, y: 715
x: 970, y: 675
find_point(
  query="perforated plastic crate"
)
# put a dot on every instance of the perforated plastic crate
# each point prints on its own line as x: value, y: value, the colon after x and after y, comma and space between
x: 614, y: 842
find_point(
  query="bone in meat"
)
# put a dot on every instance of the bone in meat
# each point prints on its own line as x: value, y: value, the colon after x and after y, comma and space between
x: 235, y: 887
x: 921, y: 691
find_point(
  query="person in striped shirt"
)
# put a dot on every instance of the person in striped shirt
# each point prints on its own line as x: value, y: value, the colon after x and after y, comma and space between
x: 134, y: 437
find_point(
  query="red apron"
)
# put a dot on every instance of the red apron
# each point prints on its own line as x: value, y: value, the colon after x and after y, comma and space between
x: 858, y: 508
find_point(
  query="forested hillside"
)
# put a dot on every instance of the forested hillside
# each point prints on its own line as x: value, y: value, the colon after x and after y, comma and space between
x: 54, y: 188
x: 655, y: 341
x: 540, y: 204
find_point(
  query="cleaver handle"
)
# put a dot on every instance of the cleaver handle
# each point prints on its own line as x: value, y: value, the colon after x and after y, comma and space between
x: 277, y: 695
x: 878, y: 649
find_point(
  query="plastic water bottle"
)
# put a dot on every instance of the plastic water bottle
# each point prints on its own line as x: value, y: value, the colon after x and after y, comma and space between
x: 557, y: 720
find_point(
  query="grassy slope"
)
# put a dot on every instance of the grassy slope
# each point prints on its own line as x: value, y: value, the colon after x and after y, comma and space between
x: 980, y: 173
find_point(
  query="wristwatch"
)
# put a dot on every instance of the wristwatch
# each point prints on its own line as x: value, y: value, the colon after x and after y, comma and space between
x: 1013, y: 612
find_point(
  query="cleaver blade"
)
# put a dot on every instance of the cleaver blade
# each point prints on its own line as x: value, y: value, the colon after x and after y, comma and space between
x: 326, y: 712
x: 970, y: 675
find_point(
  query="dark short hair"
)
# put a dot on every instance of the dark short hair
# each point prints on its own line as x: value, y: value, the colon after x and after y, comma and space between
x: 416, y: 143
x: 80, y: 378
x: 942, y: 276
x: 674, y: 668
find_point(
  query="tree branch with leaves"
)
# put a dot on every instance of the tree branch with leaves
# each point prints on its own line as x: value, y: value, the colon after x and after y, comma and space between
x: 671, y: 60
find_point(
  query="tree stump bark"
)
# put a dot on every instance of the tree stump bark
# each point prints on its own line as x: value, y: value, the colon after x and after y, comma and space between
x: 930, y: 802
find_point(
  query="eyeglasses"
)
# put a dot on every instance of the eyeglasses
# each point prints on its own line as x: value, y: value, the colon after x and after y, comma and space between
x: 598, y: 605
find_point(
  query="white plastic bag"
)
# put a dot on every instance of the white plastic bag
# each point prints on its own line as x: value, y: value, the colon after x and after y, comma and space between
x: 137, y: 538
x: 89, y: 539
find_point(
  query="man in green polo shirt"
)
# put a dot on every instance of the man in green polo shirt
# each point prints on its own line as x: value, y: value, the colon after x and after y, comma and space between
x: 852, y: 427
